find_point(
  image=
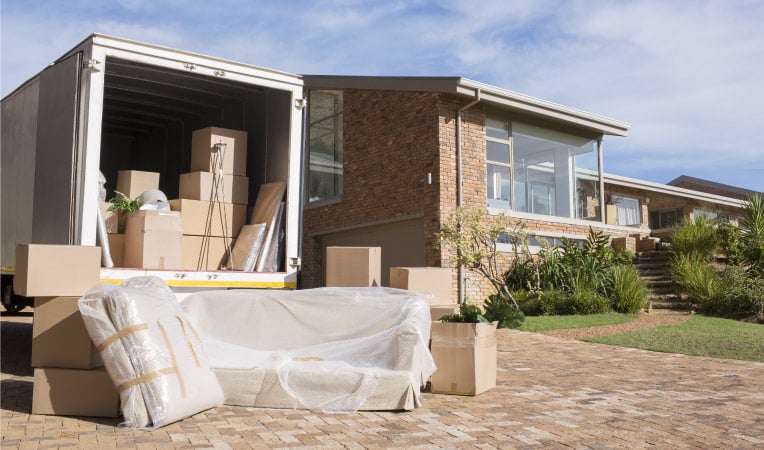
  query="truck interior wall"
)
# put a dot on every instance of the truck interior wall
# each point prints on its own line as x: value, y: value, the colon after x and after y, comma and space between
x: 18, y: 149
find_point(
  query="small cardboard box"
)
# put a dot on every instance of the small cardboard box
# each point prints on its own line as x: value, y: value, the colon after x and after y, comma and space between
x: 213, y: 253
x: 153, y: 240
x: 233, y: 147
x: 431, y: 280
x: 353, y: 266
x: 438, y: 311
x: 59, y: 336
x: 194, y: 214
x: 465, y: 354
x: 117, y: 249
x: 56, y: 270
x: 74, y: 392
x: 132, y: 183
x: 199, y: 185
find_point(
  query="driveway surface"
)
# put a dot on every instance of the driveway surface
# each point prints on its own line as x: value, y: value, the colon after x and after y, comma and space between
x: 551, y: 393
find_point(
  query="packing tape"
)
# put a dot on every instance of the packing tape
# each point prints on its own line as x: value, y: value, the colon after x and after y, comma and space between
x: 464, y: 342
x: 167, y: 342
x: 120, y: 334
x: 188, y: 341
x: 144, y: 378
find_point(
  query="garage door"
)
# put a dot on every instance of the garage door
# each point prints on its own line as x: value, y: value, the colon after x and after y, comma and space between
x: 402, y: 244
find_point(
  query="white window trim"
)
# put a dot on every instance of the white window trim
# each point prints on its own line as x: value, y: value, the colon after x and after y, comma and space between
x: 566, y: 220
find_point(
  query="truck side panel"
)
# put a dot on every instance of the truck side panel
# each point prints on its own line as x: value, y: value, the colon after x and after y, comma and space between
x: 19, y: 143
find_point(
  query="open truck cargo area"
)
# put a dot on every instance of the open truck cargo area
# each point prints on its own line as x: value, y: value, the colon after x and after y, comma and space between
x: 110, y: 105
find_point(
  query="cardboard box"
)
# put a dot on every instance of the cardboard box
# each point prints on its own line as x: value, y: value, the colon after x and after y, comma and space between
x: 56, y: 270
x: 194, y: 213
x: 438, y: 311
x: 465, y: 354
x: 198, y: 186
x: 74, y: 392
x: 59, y: 336
x: 431, y: 280
x: 353, y: 266
x: 234, y: 150
x: 153, y: 240
x: 132, y: 183
x: 117, y: 249
x: 214, y: 252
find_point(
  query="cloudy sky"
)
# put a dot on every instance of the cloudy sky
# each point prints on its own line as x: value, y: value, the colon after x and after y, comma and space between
x: 688, y: 75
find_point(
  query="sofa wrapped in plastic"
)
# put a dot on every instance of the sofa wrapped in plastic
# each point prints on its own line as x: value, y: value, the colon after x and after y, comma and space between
x: 151, y: 351
x: 330, y: 349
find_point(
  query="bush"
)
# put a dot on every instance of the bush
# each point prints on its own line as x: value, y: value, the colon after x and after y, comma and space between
x: 628, y: 293
x: 587, y: 302
x: 697, y: 278
x: 742, y: 293
x: 501, y: 309
x: 695, y: 237
x: 552, y: 303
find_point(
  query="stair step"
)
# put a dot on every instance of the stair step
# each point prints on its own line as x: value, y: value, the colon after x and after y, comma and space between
x: 679, y: 306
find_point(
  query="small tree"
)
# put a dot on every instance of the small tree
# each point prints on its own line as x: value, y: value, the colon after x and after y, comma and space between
x: 474, y: 238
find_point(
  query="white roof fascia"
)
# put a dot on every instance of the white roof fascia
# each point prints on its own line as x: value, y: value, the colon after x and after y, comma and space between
x: 534, y: 105
x: 671, y: 190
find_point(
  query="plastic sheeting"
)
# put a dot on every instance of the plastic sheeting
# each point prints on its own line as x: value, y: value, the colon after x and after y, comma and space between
x: 331, y: 349
x: 151, y: 352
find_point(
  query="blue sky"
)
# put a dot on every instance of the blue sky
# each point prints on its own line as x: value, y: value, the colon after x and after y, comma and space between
x: 686, y: 74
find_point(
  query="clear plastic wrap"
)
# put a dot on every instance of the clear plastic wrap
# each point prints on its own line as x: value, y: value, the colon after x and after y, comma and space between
x: 329, y: 349
x: 151, y: 351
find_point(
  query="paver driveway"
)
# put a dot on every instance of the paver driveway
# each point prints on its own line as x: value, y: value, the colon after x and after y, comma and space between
x: 551, y: 393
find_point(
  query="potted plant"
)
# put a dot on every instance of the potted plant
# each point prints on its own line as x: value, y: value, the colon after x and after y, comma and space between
x: 464, y: 344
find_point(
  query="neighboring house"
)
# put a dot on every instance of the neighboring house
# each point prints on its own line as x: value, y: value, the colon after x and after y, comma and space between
x: 389, y: 159
x: 712, y: 187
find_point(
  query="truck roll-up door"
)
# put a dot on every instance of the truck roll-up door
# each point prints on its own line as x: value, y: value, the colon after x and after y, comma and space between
x: 57, y: 159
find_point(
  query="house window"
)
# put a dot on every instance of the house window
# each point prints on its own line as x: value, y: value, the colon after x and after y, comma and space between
x: 667, y: 218
x: 627, y: 210
x: 541, y: 171
x: 324, y: 145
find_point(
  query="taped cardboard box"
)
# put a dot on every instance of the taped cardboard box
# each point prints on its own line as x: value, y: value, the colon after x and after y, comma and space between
x: 231, y: 155
x: 465, y: 354
x: 199, y: 186
x: 56, y: 270
x: 210, y: 252
x: 353, y: 266
x: 117, y: 249
x: 74, y: 392
x: 59, y: 337
x: 132, y: 183
x: 431, y: 280
x: 153, y: 240
x: 194, y: 216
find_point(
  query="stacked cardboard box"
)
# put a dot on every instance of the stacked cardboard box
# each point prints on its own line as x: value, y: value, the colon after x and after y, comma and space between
x: 353, y: 266
x: 213, y: 197
x: 68, y: 375
x: 435, y: 281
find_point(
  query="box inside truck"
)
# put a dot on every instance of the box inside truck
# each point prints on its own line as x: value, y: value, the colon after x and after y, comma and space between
x: 150, y: 112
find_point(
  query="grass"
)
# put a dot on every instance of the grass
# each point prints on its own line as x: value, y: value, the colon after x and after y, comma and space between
x: 699, y: 336
x: 545, y: 323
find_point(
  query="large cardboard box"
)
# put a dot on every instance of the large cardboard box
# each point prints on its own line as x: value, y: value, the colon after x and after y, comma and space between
x: 117, y: 249
x: 465, y: 354
x: 233, y: 159
x: 153, y: 240
x: 132, y: 183
x: 353, y: 266
x: 194, y: 214
x: 212, y: 251
x: 56, y: 270
x: 59, y: 337
x: 431, y: 280
x: 74, y: 392
x: 199, y: 185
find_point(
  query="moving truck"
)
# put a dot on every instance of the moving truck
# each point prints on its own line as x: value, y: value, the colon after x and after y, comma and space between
x: 112, y: 104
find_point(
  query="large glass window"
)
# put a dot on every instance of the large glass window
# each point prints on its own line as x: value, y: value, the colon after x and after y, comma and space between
x: 552, y: 173
x: 324, y: 145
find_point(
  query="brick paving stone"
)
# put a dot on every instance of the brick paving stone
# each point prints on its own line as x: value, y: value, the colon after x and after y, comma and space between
x: 551, y: 393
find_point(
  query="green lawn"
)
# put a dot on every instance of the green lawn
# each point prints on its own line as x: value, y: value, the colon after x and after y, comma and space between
x: 545, y: 323
x: 699, y: 336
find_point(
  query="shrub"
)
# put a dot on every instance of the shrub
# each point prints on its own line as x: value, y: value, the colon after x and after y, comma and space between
x: 695, y: 236
x: 587, y: 302
x: 553, y: 302
x: 730, y: 242
x: 752, y: 230
x: 468, y: 313
x: 696, y: 277
x: 742, y: 293
x: 501, y: 309
x: 628, y: 293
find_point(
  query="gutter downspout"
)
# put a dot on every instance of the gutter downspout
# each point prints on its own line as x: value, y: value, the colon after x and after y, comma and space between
x: 459, y: 199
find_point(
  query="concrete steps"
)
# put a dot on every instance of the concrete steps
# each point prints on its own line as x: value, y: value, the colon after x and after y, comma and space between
x: 654, y: 268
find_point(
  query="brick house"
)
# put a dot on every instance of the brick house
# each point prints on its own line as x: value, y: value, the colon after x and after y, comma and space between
x: 385, y: 157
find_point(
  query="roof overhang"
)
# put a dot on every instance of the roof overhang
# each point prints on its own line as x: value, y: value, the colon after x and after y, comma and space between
x: 671, y: 190
x: 487, y: 94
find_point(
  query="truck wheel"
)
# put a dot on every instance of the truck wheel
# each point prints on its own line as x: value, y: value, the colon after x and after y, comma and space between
x: 12, y: 302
